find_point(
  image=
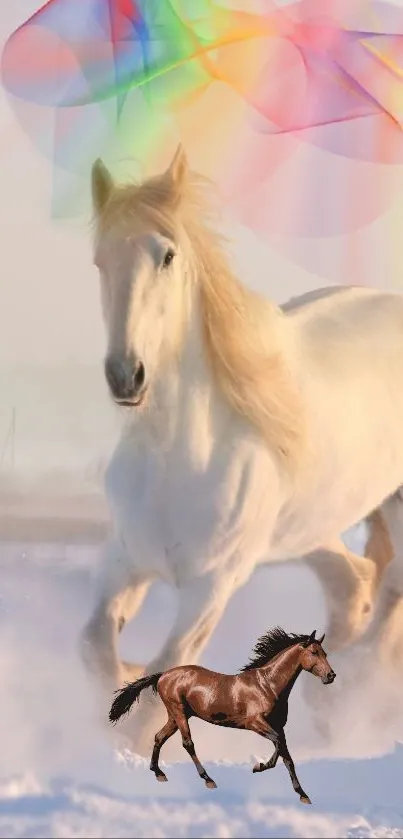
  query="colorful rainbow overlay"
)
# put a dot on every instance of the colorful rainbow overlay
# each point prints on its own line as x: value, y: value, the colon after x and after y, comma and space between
x: 294, y: 109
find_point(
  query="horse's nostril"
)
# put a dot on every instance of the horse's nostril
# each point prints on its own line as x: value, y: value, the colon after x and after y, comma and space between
x: 139, y: 376
x: 124, y: 377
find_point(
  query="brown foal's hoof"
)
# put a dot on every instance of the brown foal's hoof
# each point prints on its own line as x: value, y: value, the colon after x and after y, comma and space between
x: 304, y: 799
x: 211, y: 784
x: 258, y: 767
x: 161, y: 777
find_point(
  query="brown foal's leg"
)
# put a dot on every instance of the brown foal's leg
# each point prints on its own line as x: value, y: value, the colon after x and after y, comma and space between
x: 260, y: 726
x: 188, y: 745
x: 261, y: 767
x: 289, y: 764
x: 160, y: 738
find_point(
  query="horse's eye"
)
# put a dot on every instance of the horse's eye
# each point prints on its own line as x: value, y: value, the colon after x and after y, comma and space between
x: 168, y: 258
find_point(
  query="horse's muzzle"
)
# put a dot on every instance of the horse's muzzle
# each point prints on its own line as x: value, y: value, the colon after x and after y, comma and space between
x: 126, y: 379
x: 329, y: 678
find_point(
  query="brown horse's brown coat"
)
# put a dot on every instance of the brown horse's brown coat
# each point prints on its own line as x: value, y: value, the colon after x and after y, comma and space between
x: 256, y: 699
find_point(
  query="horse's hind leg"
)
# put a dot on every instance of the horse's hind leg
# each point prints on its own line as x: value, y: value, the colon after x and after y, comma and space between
x: 187, y: 742
x: 385, y: 634
x: 350, y: 582
x: 350, y: 585
x: 289, y: 764
x: 160, y: 738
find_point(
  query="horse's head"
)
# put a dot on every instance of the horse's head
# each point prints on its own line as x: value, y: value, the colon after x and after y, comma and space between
x: 142, y: 267
x: 313, y: 659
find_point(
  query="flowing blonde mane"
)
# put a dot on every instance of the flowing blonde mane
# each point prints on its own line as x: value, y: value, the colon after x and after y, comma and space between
x: 242, y: 330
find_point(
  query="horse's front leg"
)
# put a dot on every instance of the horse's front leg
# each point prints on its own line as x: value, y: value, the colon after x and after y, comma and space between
x: 260, y: 726
x: 202, y: 601
x: 121, y: 592
x: 270, y: 764
x: 201, y: 604
x: 289, y: 764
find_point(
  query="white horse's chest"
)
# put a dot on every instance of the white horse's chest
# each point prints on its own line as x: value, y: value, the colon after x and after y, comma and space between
x: 167, y: 506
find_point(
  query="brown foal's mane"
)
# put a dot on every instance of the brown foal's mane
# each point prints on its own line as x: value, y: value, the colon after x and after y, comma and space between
x: 273, y: 642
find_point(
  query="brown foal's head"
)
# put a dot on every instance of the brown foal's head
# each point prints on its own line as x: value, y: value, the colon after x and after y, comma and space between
x: 313, y: 659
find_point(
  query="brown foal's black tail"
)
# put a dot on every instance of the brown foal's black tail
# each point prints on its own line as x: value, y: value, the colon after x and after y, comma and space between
x: 130, y: 693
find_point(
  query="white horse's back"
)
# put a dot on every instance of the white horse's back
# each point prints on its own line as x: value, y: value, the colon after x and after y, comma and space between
x: 294, y: 304
x: 348, y: 357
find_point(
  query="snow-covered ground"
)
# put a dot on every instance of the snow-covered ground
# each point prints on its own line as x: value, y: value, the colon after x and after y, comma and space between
x: 62, y: 775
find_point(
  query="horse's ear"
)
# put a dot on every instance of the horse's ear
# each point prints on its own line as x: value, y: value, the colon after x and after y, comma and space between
x: 310, y: 640
x: 320, y: 640
x: 178, y: 168
x: 101, y: 185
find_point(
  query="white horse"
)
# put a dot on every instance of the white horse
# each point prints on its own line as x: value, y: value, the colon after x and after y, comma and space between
x: 254, y: 434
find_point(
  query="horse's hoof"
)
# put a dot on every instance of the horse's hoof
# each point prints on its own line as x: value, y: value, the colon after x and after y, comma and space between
x: 211, y: 784
x: 258, y: 767
x: 161, y: 777
x: 304, y: 799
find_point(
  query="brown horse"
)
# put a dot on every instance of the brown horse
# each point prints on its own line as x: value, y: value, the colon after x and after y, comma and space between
x: 256, y: 699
